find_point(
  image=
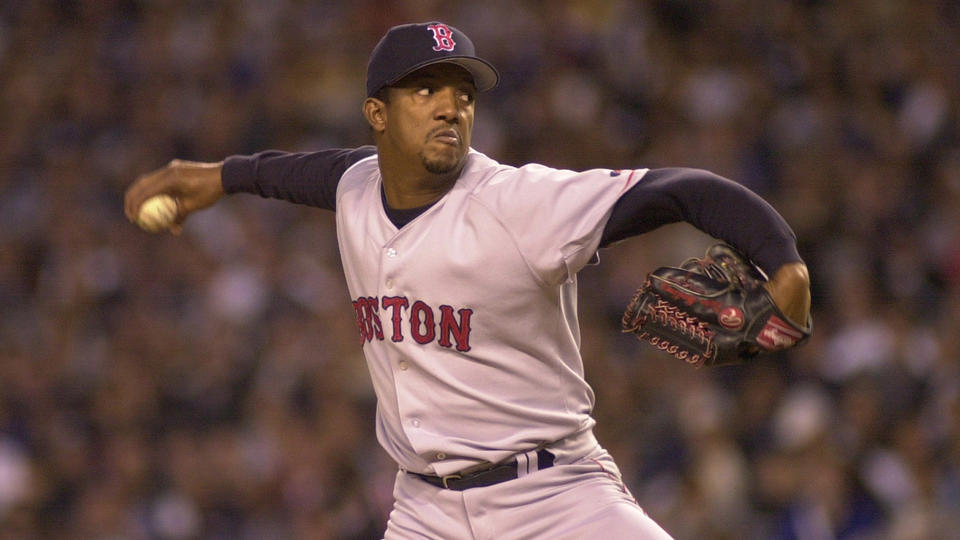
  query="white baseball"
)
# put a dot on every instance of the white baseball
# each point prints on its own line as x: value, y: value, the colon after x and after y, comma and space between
x: 157, y: 213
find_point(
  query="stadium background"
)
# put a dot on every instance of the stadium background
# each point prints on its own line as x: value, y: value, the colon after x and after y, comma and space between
x: 211, y: 386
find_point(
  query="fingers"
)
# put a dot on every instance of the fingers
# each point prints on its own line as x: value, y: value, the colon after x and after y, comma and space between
x: 146, y: 186
x: 177, y: 227
x: 193, y: 185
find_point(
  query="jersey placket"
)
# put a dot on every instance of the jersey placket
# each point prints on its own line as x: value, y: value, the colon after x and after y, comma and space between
x: 394, y: 311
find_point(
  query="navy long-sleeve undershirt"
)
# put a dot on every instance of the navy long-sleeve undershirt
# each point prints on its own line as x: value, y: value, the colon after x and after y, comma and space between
x: 717, y: 206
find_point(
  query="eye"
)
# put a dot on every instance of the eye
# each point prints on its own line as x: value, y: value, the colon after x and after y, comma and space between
x: 467, y: 97
x: 425, y: 91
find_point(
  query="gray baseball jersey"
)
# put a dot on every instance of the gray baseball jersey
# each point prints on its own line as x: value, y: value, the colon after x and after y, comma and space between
x: 468, y: 314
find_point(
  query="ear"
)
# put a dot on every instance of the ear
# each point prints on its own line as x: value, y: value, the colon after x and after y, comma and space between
x: 375, y: 112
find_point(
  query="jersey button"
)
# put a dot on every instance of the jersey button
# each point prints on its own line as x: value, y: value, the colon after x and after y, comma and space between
x: 389, y: 284
x: 415, y: 422
x: 391, y: 252
x: 441, y: 455
x: 404, y: 366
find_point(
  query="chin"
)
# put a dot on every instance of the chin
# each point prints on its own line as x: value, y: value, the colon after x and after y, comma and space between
x: 437, y: 167
x: 442, y: 165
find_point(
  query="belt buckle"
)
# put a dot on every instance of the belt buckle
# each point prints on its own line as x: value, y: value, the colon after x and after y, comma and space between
x: 449, y: 477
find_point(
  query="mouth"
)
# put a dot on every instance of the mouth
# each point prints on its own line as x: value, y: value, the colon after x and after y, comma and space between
x: 446, y: 136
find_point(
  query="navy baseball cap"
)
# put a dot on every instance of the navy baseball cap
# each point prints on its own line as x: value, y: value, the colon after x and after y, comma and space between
x: 409, y: 47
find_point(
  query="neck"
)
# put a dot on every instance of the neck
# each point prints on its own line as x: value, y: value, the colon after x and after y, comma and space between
x: 414, y: 187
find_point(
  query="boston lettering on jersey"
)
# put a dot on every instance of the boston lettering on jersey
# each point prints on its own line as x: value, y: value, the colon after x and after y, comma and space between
x: 422, y: 322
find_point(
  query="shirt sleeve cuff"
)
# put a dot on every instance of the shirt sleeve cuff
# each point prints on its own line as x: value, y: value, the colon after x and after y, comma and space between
x: 239, y: 174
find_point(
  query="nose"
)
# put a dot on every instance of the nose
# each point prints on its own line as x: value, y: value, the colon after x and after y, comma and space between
x: 448, y: 104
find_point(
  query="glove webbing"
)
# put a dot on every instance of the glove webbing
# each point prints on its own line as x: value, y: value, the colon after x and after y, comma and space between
x: 658, y: 315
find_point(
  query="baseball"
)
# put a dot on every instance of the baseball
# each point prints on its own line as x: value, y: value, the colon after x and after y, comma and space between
x: 157, y: 213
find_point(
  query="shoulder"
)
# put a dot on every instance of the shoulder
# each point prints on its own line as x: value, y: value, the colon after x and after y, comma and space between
x: 363, y: 165
x: 364, y: 170
x: 535, y: 180
x: 355, y: 155
x: 359, y: 157
x: 485, y: 175
x: 480, y: 169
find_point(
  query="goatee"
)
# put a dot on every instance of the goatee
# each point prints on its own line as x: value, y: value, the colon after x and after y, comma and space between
x: 436, y: 166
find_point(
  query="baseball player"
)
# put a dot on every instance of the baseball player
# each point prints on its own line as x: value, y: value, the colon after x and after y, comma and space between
x: 463, y: 275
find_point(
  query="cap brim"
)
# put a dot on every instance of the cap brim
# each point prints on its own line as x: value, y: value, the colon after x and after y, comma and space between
x: 485, y: 76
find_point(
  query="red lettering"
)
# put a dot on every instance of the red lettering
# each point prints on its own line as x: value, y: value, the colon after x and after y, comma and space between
x: 395, y: 303
x: 443, y: 37
x: 358, y: 307
x: 454, y: 325
x: 421, y: 323
x: 367, y: 318
x: 449, y: 327
x: 372, y: 308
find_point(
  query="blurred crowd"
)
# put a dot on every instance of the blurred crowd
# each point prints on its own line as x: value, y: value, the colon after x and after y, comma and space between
x: 211, y: 385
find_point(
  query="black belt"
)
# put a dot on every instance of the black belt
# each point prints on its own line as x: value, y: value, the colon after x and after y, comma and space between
x: 485, y: 477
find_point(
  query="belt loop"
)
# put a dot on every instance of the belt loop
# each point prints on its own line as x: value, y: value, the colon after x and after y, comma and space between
x: 523, y: 465
x: 533, y: 461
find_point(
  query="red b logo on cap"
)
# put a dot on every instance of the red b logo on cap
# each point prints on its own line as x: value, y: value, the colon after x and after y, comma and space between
x: 443, y: 36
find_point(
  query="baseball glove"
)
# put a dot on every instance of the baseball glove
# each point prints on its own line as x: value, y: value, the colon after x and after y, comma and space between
x: 711, y: 311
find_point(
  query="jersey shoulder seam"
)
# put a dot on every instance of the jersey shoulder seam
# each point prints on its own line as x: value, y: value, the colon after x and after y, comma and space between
x: 358, y: 162
x: 516, y: 245
x: 343, y: 187
x: 475, y: 192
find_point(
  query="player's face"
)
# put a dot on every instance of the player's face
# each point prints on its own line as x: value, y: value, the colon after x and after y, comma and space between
x: 430, y: 116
